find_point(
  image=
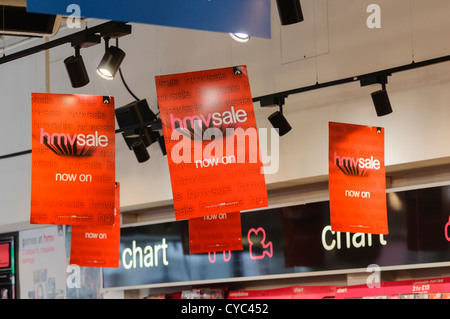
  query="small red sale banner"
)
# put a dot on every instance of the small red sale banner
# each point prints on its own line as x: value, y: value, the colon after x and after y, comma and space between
x: 5, y: 255
x: 97, y: 246
x: 73, y: 159
x: 212, y: 142
x: 213, y: 233
x: 357, y: 179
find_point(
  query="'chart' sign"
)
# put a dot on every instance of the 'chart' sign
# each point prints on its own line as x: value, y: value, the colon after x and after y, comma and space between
x: 288, y: 240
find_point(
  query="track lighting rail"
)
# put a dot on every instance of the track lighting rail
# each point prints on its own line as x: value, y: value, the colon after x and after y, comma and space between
x: 83, y: 39
x: 365, y: 79
x: 154, y: 125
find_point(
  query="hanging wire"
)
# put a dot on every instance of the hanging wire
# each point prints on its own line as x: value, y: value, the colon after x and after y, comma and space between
x: 123, y: 80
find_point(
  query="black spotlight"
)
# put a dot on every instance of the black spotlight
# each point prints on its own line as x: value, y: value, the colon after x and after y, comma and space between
x: 76, y: 70
x: 110, y: 63
x: 380, y: 98
x: 134, y: 118
x: 290, y: 11
x: 140, y: 150
x: 381, y: 102
x: 277, y: 119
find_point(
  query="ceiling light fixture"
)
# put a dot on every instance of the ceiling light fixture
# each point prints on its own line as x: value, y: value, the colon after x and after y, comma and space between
x: 76, y: 70
x: 381, y: 102
x: 277, y: 119
x: 240, y: 37
x: 139, y: 148
x: 380, y: 98
x: 279, y: 122
x: 138, y: 137
x: 290, y: 11
x: 111, y: 61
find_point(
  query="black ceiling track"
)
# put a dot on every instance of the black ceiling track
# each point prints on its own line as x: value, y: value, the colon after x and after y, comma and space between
x: 83, y: 39
x: 365, y: 79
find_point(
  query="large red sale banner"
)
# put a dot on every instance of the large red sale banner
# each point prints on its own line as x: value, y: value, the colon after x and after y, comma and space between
x: 212, y: 142
x: 73, y: 159
x: 357, y: 179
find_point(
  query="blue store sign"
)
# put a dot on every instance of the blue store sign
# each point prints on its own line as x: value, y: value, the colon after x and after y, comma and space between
x: 247, y: 16
x: 289, y: 240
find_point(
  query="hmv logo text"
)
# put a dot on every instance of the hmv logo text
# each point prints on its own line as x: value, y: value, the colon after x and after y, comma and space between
x: 358, y: 166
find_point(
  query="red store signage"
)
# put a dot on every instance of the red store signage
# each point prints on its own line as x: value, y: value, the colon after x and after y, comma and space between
x: 73, y: 159
x: 212, y: 142
x: 214, y: 233
x: 97, y: 245
x: 357, y: 179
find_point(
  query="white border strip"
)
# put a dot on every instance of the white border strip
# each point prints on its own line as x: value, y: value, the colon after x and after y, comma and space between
x: 280, y: 276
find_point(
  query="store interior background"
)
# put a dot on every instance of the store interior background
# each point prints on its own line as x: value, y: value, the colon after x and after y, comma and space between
x: 333, y: 42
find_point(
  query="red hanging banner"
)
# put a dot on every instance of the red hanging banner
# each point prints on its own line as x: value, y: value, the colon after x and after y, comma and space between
x: 97, y: 245
x: 213, y: 233
x: 5, y: 255
x: 212, y: 142
x: 357, y: 179
x: 73, y: 159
